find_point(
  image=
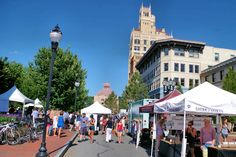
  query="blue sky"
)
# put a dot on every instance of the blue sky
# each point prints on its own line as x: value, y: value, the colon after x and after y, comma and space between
x: 98, y: 31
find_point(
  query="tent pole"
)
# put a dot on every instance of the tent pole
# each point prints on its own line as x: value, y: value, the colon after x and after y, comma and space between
x: 153, y: 133
x: 184, y: 140
x: 23, y: 111
x: 218, y: 129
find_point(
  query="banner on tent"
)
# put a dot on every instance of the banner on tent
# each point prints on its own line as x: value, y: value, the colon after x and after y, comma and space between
x: 176, y: 122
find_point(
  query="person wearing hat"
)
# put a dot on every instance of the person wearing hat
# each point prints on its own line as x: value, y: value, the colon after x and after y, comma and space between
x: 83, y: 126
x: 91, y: 128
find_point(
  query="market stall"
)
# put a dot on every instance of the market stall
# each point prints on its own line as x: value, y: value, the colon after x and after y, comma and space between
x: 205, y: 99
x: 95, y: 109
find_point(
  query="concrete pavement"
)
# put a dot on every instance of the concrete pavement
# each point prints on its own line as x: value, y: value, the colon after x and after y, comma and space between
x: 102, y: 149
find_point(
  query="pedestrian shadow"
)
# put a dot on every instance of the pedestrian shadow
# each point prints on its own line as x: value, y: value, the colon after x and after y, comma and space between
x: 57, y: 149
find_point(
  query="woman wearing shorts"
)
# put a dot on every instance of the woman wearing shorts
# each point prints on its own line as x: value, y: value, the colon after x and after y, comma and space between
x: 91, y: 128
x: 60, y: 123
x: 119, y: 130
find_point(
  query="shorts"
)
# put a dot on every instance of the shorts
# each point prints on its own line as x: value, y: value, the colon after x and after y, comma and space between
x: 92, y: 128
x: 119, y: 130
x: 224, y: 135
x: 83, y: 130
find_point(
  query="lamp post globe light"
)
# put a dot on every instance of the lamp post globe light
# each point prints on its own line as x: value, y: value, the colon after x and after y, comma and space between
x: 76, y: 86
x: 168, y: 86
x: 55, y: 36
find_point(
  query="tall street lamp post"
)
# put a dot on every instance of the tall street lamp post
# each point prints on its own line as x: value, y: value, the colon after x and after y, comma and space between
x: 55, y: 36
x: 76, y: 86
x: 168, y: 86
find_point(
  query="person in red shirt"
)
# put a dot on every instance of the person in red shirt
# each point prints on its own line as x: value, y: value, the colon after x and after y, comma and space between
x: 119, y: 130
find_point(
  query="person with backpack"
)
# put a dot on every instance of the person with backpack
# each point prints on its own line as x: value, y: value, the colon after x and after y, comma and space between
x: 191, y: 136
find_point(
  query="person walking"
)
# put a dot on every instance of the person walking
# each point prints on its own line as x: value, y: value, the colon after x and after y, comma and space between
x: 119, y: 130
x: 109, y: 127
x: 191, y: 136
x: 60, y: 124
x: 55, y: 120
x: 49, y: 122
x: 224, y: 130
x: 83, y: 127
x: 35, y: 115
x: 72, y: 121
x: 91, y: 128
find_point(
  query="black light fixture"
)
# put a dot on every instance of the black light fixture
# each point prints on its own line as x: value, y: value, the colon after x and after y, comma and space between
x: 168, y: 86
x: 55, y: 36
x: 76, y: 86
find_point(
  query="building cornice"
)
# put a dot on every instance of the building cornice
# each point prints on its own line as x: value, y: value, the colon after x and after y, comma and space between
x: 217, y: 66
x: 171, y: 42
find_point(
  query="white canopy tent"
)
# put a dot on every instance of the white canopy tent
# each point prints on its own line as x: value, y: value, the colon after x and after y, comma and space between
x: 96, y: 108
x: 205, y: 99
x: 12, y: 94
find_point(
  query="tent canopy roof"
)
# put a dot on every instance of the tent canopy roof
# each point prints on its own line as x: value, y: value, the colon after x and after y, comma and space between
x: 203, y: 99
x: 150, y: 107
x: 96, y: 108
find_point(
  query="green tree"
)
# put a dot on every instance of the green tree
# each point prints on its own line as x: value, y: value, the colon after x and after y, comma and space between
x: 135, y: 90
x: 229, y: 84
x: 9, y: 73
x: 111, y: 103
x: 67, y: 69
x: 179, y: 88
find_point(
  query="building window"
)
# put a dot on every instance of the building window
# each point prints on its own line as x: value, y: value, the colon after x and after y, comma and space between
x: 190, y: 83
x: 232, y: 56
x: 145, y: 42
x: 190, y: 68
x: 176, y: 67
x: 221, y: 74
x: 165, y: 78
x: 136, y: 41
x: 214, y: 77
x: 182, y: 82
x: 176, y: 79
x: 217, y: 57
x: 179, y: 51
x: 166, y: 67
x: 196, y: 82
x: 206, y: 78
x: 182, y: 67
x: 196, y: 68
x: 166, y: 51
x: 193, y: 53
x: 144, y: 48
x: 136, y: 48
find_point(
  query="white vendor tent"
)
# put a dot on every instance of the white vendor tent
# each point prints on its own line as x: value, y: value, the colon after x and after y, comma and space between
x: 96, y: 108
x: 205, y: 99
x: 12, y: 94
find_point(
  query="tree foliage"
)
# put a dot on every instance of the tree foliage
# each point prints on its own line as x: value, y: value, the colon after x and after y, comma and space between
x: 135, y: 90
x: 111, y: 102
x: 9, y: 73
x: 229, y: 82
x: 67, y: 69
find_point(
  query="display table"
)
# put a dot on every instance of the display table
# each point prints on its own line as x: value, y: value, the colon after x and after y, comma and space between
x: 169, y: 149
x: 221, y: 152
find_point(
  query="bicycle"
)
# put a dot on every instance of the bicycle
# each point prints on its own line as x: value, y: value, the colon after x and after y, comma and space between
x: 9, y: 134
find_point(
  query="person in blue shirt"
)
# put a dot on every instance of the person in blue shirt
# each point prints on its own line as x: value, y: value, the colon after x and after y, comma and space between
x: 83, y: 126
x: 60, y: 123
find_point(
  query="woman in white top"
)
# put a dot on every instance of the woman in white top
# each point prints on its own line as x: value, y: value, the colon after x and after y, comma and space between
x: 55, y: 124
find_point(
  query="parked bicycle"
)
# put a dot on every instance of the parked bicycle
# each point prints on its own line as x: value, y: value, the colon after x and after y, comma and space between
x: 9, y: 134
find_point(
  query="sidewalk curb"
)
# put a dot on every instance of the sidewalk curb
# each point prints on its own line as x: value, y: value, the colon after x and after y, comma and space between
x: 63, y: 150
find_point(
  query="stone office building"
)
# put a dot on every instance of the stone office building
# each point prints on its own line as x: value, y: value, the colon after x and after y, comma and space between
x: 217, y: 73
x: 142, y: 38
x: 180, y: 60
